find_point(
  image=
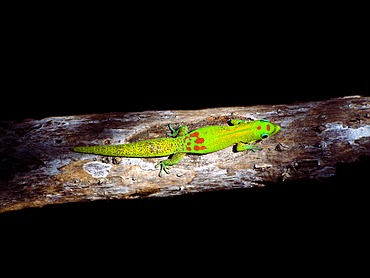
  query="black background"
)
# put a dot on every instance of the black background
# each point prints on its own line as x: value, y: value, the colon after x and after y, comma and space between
x: 70, y: 68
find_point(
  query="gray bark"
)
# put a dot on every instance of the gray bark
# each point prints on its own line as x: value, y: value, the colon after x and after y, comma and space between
x: 37, y: 167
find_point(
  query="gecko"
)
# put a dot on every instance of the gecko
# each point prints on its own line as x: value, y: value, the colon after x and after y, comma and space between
x: 242, y: 134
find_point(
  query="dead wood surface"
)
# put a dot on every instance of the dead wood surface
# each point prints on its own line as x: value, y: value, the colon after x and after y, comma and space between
x: 37, y: 167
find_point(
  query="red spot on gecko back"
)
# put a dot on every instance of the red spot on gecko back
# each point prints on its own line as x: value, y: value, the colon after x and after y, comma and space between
x: 199, y: 140
x: 259, y: 127
x: 268, y: 127
x: 197, y: 148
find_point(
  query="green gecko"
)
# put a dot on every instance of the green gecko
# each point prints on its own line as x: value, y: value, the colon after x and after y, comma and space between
x: 243, y: 134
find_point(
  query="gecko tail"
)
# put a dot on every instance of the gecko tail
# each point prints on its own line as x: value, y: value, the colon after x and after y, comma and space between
x: 101, y: 150
x: 148, y: 148
x: 79, y: 149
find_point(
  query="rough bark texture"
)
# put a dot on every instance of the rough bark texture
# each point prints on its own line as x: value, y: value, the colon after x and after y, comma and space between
x: 37, y: 167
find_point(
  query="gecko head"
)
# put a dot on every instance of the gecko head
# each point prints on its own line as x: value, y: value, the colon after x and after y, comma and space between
x: 266, y: 129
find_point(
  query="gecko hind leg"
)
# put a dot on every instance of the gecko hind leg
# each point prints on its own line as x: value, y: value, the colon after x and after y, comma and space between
x: 179, y: 131
x: 164, y: 164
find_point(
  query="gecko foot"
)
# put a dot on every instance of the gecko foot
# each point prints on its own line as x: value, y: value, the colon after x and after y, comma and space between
x: 163, y: 167
x: 255, y: 148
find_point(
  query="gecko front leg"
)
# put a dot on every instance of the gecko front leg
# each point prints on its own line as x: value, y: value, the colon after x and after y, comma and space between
x: 240, y: 147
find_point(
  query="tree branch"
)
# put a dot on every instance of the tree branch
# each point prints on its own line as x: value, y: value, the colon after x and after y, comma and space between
x: 37, y: 167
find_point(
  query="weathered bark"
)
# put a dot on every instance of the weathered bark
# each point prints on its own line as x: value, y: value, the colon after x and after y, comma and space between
x: 37, y: 167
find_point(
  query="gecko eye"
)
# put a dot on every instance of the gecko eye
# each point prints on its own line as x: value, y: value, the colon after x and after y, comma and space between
x: 264, y: 136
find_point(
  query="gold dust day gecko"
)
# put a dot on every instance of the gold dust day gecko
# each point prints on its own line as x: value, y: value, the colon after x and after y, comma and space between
x: 244, y: 134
